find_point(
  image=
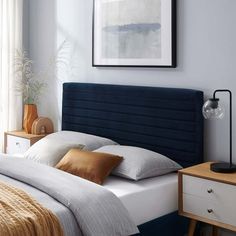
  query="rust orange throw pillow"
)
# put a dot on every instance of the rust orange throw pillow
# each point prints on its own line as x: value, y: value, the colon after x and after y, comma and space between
x: 93, y: 166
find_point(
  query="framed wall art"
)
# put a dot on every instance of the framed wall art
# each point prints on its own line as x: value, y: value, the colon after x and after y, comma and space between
x: 134, y: 33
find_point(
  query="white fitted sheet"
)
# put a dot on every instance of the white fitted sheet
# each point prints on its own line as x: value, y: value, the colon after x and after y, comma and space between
x: 146, y: 199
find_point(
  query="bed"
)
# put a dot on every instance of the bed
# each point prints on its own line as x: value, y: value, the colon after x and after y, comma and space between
x: 164, y: 120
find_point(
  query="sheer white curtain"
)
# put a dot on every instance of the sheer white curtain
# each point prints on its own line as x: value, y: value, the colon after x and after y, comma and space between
x: 10, y: 39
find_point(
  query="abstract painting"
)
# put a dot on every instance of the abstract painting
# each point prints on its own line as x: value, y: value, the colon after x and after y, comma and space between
x: 134, y: 33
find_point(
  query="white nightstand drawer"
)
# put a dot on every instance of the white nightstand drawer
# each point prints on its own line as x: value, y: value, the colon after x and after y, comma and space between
x: 209, y: 209
x: 17, y: 145
x: 207, y: 196
x: 224, y: 194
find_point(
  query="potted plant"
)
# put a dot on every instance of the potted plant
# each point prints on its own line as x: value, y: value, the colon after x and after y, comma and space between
x: 29, y: 85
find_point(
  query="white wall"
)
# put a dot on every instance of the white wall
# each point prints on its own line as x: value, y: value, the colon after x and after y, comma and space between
x: 206, y: 55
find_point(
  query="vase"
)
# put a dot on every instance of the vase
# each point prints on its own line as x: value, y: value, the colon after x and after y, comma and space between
x: 30, y: 114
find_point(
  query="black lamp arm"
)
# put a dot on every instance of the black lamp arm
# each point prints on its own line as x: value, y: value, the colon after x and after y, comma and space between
x: 223, y: 90
x: 230, y: 118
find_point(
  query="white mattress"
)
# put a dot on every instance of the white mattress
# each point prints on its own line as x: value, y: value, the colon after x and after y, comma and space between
x: 146, y: 199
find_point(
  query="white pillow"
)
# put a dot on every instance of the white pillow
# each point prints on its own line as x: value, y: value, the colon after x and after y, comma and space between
x: 50, y: 149
x: 139, y: 163
x: 90, y: 142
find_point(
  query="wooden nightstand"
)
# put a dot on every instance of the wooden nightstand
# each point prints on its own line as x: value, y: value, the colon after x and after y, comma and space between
x: 208, y: 197
x: 18, y: 142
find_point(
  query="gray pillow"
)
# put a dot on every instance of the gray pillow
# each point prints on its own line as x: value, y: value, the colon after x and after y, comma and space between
x: 90, y: 142
x: 50, y: 149
x: 139, y: 163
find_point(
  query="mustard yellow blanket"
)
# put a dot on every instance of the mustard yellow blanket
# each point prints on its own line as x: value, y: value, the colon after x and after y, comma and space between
x: 21, y: 215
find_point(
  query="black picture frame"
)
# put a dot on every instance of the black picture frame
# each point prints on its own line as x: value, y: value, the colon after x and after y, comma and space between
x: 170, y: 58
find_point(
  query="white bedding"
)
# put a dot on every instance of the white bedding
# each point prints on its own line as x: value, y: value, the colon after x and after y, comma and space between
x: 146, y: 199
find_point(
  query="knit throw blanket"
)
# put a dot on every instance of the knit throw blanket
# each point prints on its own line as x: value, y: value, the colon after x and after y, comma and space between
x: 21, y: 215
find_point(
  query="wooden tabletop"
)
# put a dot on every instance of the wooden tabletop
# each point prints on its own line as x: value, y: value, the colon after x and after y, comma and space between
x: 203, y: 171
x: 23, y: 134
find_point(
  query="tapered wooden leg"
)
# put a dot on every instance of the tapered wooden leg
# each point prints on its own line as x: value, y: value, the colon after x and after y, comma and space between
x: 192, y: 227
x: 215, y: 231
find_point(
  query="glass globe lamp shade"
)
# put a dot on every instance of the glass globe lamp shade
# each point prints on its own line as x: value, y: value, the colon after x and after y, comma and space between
x: 212, y: 110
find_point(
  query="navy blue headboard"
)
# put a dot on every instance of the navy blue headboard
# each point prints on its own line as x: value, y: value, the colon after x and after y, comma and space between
x: 165, y: 120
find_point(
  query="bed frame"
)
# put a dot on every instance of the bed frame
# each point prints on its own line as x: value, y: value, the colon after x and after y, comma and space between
x: 165, y: 120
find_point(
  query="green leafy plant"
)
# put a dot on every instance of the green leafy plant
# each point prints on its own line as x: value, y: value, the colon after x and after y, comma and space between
x: 28, y: 84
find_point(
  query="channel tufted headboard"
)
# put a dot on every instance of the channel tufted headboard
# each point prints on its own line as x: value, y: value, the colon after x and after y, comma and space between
x: 165, y: 120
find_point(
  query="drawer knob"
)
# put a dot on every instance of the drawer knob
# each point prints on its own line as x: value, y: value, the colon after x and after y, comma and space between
x: 210, y: 190
x: 209, y: 210
x: 17, y: 143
